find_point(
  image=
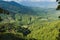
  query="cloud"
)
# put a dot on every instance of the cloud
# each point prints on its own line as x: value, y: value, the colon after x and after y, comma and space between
x: 31, y: 0
x: 43, y: 0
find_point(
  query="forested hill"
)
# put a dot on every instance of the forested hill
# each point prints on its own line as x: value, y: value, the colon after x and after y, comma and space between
x: 15, y: 7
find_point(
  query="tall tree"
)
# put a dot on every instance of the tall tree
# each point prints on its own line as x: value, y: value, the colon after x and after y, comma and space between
x: 58, y: 7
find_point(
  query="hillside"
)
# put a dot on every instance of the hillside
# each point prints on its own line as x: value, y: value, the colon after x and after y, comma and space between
x: 15, y: 7
x: 28, y: 23
x: 37, y: 28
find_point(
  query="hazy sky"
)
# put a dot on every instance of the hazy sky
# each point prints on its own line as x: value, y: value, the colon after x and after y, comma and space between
x: 31, y: 0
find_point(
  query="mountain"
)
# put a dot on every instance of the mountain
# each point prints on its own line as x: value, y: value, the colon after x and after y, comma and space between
x: 40, y: 4
x: 14, y: 7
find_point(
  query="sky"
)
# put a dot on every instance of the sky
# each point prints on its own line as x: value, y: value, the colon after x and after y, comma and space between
x: 31, y: 0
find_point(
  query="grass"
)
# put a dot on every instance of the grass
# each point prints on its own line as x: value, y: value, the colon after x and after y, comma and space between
x: 41, y: 28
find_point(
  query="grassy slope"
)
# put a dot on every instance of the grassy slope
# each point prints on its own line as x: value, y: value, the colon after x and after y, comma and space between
x: 45, y: 31
x: 41, y: 29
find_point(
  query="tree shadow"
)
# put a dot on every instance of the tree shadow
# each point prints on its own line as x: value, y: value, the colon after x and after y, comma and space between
x: 58, y: 38
x: 10, y: 36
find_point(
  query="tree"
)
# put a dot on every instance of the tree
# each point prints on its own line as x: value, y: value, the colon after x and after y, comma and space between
x: 59, y: 17
x: 30, y: 19
x: 58, y: 38
x: 2, y: 29
x: 58, y: 7
x: 1, y: 18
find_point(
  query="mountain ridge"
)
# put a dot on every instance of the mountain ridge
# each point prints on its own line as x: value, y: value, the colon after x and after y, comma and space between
x: 18, y: 8
x: 40, y: 4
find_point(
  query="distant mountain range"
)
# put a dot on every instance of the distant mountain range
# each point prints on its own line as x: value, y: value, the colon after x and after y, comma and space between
x: 40, y: 4
x: 15, y: 7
